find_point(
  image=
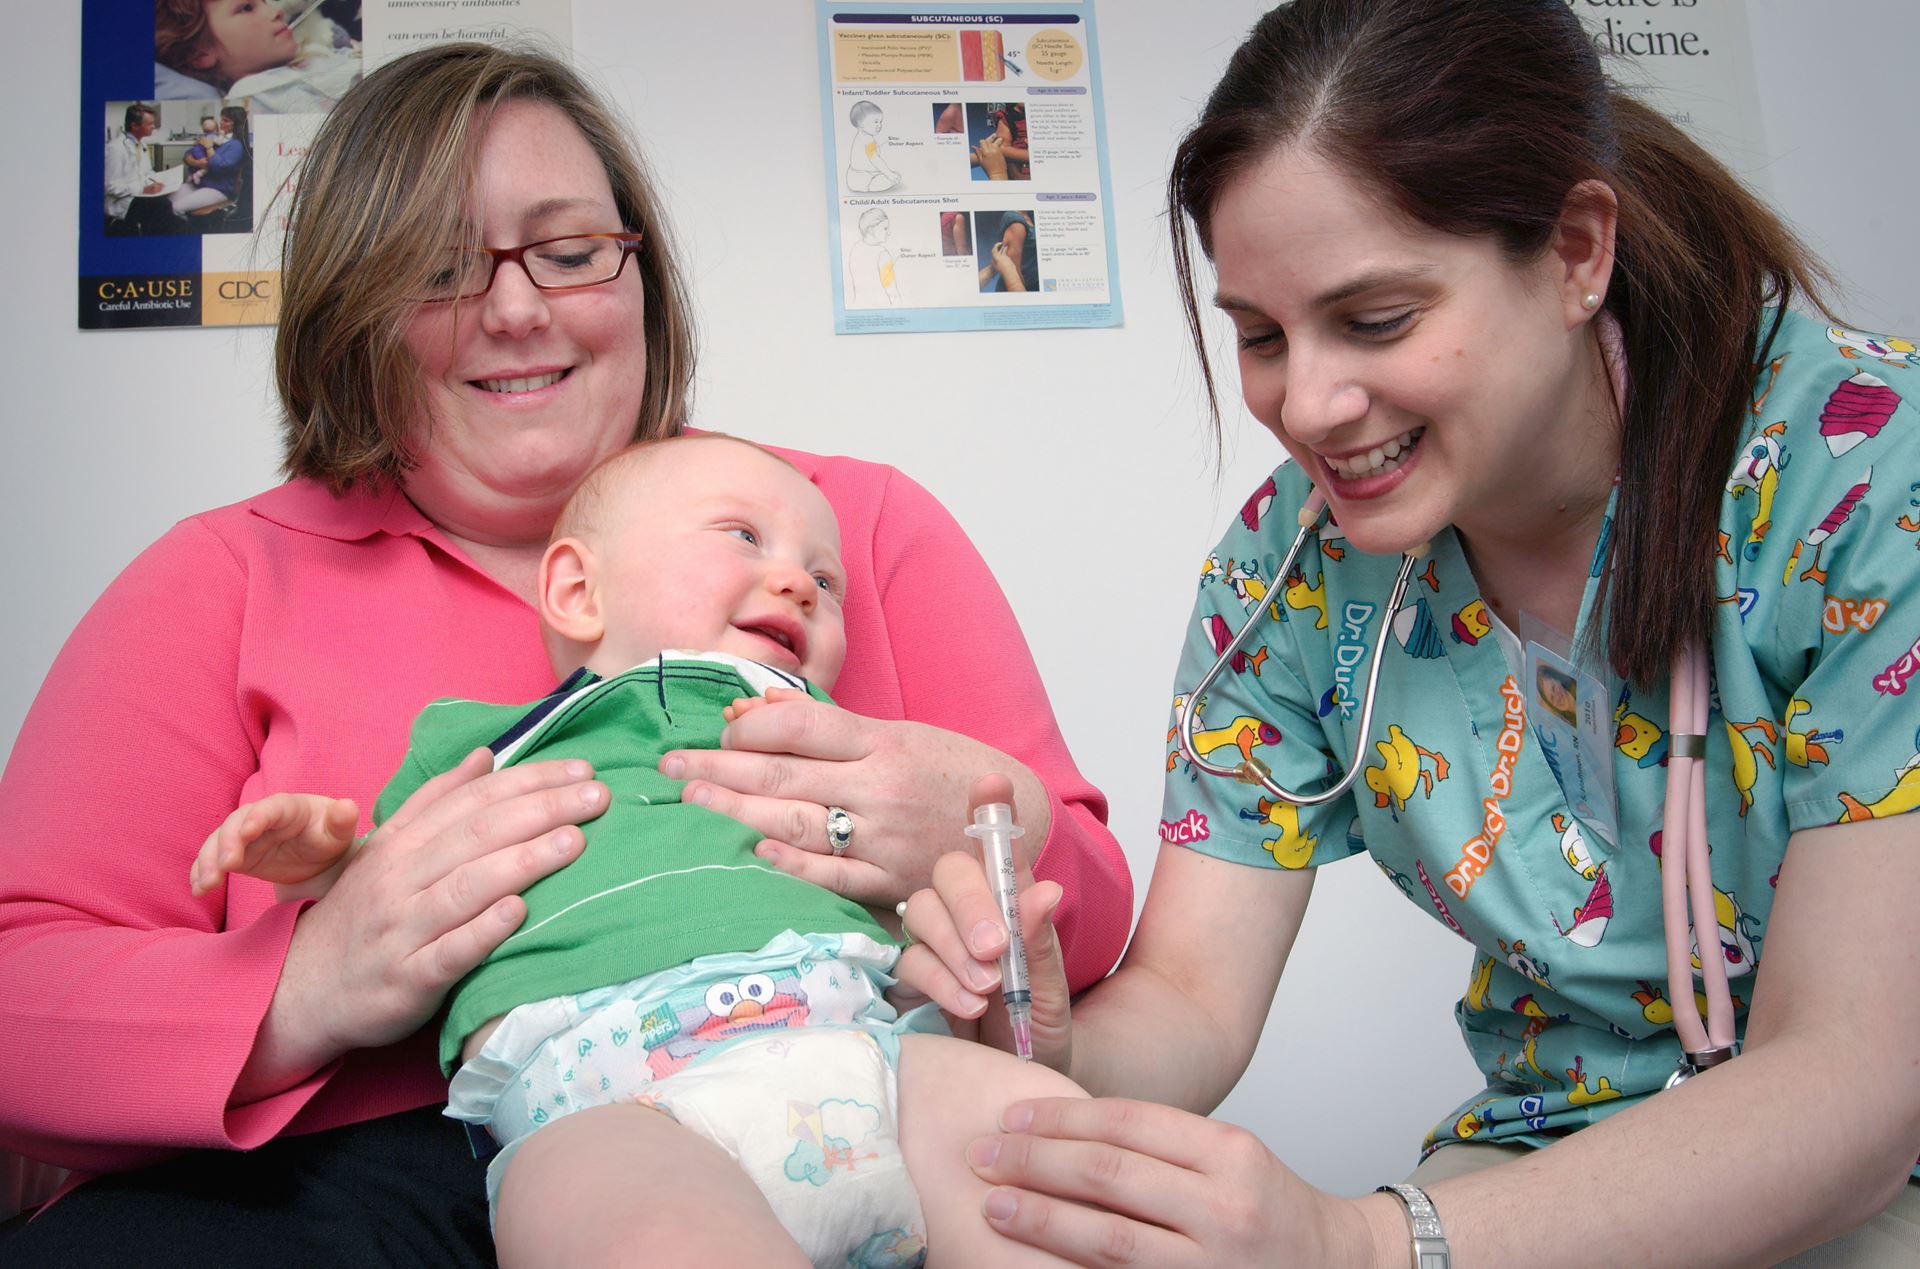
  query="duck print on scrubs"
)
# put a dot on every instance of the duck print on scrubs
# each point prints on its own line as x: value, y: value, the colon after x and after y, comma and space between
x: 1813, y: 724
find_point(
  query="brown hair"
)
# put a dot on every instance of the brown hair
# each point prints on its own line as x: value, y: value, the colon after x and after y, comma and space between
x: 379, y: 196
x: 179, y: 29
x: 1478, y: 117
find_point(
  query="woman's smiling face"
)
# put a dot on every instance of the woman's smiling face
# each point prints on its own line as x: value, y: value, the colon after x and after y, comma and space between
x: 526, y: 389
x: 1420, y: 378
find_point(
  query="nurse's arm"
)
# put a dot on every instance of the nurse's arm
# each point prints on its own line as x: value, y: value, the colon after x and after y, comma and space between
x: 1811, y: 1131
x: 1177, y: 1022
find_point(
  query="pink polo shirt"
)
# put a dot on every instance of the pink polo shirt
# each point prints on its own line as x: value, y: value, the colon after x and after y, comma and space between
x: 285, y: 643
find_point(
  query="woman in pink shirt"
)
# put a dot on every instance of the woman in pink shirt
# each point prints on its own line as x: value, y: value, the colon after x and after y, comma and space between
x: 448, y: 369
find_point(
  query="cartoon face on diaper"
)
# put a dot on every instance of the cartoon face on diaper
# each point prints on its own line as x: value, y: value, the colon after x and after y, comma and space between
x: 702, y: 1015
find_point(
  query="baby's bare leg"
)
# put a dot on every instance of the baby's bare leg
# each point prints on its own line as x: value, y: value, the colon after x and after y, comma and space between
x: 952, y: 1091
x: 626, y: 1185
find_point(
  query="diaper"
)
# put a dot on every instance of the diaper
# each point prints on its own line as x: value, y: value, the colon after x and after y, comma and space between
x: 807, y: 1107
x: 811, y: 1116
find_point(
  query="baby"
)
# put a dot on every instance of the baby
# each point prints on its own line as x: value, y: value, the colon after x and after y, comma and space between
x: 867, y: 168
x: 668, y: 993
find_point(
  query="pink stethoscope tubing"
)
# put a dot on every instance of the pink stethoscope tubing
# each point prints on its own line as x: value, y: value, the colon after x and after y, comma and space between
x: 1686, y: 878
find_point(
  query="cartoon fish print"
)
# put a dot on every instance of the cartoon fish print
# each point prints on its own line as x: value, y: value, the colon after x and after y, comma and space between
x: 1472, y: 624
x: 1746, y: 770
x: 1758, y: 470
x: 1401, y: 770
x: 1891, y: 349
x: 1805, y: 747
x: 1903, y: 797
x: 1857, y: 410
x: 1831, y: 522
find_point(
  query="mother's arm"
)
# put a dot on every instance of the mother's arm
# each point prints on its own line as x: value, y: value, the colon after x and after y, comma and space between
x: 119, y: 980
x: 186, y: 1026
x: 942, y: 652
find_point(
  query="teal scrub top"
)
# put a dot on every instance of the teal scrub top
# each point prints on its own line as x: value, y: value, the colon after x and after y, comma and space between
x: 1816, y: 671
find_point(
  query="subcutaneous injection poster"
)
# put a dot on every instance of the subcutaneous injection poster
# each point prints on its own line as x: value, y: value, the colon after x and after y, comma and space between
x: 966, y: 167
x: 193, y: 118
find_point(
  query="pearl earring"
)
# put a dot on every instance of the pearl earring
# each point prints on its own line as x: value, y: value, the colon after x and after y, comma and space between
x: 1590, y: 301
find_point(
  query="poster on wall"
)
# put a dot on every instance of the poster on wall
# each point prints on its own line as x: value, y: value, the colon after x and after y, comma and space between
x: 193, y: 118
x: 1692, y: 60
x: 966, y: 167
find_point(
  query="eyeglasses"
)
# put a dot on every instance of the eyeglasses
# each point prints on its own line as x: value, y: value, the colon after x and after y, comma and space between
x: 552, y: 264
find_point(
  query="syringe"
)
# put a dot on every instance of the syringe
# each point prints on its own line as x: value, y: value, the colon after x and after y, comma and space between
x: 994, y: 828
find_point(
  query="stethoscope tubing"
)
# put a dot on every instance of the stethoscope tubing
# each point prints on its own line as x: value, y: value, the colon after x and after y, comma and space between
x: 1686, y: 872
x: 1252, y: 770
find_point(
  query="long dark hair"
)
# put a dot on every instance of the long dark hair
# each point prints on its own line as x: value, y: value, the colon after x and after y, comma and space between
x: 237, y: 116
x: 1478, y: 117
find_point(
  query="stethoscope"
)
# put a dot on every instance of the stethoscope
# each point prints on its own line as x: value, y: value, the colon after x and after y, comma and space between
x: 1686, y: 878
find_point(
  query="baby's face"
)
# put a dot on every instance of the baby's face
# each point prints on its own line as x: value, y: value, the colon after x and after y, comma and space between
x: 714, y: 546
x: 872, y: 124
x: 247, y: 36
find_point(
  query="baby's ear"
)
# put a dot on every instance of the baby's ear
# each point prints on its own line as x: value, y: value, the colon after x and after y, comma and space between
x: 568, y: 599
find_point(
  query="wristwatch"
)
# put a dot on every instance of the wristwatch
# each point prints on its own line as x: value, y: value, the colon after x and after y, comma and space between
x: 1430, y: 1249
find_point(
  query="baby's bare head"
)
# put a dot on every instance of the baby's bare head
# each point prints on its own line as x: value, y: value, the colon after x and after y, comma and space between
x: 702, y: 543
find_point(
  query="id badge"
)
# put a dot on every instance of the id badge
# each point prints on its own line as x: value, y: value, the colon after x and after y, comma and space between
x: 1572, y: 715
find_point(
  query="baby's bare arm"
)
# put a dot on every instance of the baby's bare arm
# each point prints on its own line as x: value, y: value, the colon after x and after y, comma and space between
x: 298, y: 841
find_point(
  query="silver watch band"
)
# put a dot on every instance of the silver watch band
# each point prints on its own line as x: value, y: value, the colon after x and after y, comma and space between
x: 1430, y: 1249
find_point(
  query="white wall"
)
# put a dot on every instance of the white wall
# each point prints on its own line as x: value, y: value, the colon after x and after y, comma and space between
x: 1076, y: 459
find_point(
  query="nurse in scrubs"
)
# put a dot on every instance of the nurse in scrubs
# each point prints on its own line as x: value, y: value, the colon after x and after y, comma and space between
x: 1487, y: 301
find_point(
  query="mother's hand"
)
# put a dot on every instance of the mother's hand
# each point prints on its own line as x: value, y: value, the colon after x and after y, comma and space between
x: 1111, y: 1181
x: 433, y: 891
x: 904, y: 783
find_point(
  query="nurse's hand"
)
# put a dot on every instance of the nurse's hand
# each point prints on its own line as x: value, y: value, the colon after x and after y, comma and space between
x: 432, y: 891
x: 785, y: 762
x: 1111, y: 1181
x: 958, y: 938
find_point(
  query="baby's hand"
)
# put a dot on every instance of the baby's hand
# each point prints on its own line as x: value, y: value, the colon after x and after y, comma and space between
x: 745, y: 705
x: 285, y: 838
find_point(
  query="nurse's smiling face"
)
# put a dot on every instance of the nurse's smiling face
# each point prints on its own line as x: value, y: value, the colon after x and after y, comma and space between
x: 1420, y: 378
